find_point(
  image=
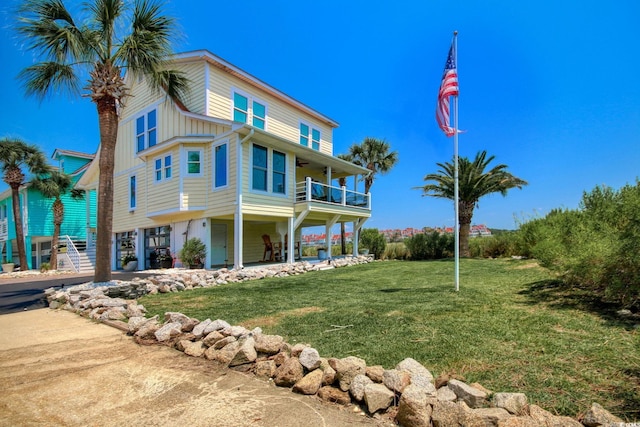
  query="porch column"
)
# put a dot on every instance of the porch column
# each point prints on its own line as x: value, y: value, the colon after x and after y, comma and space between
x: 354, y: 239
x: 238, y: 228
x: 27, y: 249
x: 138, y: 241
x: 291, y: 245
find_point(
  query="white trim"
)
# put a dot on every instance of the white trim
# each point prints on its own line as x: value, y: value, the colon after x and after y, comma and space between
x: 213, y: 165
x: 254, y: 81
x: 269, y: 191
x: 135, y: 198
x: 207, y: 89
x: 250, y: 101
x: 184, y: 164
x: 311, y: 127
x: 163, y: 167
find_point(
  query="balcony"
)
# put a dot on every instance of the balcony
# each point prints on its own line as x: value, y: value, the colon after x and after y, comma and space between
x: 310, y: 191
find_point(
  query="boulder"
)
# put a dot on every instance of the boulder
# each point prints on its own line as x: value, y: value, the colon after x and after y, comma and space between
x: 235, y: 331
x: 168, y: 331
x: 309, y: 358
x: 357, y: 386
x: 226, y: 354
x: 199, y: 329
x: 375, y: 373
x: 444, y: 394
x: 396, y: 380
x: 486, y: 416
x: 297, y: 349
x: 347, y: 369
x: 268, y: 344
x: 414, y: 368
x: 265, y: 369
x: 547, y: 419
x: 377, y: 397
x: 334, y: 395
x: 148, y: 329
x: 414, y: 408
x: 471, y: 396
x: 216, y: 325
x: 212, y: 338
x: 310, y: 383
x: 446, y: 414
x: 515, y: 403
x: 187, y: 323
x: 245, y: 354
x: 195, y: 349
x: 597, y: 416
x: 223, y: 342
x: 289, y: 373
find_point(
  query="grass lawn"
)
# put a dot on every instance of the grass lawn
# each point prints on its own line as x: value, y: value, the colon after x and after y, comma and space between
x: 511, y: 327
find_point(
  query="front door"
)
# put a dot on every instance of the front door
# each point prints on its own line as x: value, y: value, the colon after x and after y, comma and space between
x: 219, y: 244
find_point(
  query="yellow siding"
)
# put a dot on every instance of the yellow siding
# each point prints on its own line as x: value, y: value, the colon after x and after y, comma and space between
x: 195, y: 190
x: 252, y: 242
x: 195, y: 99
x: 282, y: 119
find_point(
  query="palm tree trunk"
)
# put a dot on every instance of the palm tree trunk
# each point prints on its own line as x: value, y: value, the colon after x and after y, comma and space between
x: 108, y: 122
x: 58, y: 216
x: 17, y: 219
x: 55, y: 241
x: 465, y: 215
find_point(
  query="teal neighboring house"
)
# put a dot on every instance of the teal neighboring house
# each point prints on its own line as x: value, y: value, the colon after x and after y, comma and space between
x: 37, y: 217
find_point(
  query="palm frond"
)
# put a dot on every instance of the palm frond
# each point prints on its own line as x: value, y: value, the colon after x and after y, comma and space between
x: 42, y: 79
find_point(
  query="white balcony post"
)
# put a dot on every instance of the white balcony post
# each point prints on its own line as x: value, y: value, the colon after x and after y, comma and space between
x: 344, y: 195
x: 369, y: 201
x: 308, y: 189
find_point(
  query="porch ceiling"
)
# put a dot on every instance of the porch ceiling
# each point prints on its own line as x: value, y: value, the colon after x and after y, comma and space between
x: 306, y: 158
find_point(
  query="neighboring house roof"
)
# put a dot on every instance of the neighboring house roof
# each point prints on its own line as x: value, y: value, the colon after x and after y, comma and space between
x: 252, y: 80
x: 58, y: 152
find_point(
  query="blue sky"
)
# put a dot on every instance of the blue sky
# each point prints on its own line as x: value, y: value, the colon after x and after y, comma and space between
x: 551, y: 88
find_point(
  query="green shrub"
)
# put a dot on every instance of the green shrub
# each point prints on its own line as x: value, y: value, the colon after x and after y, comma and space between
x: 505, y: 244
x: 430, y: 246
x: 372, y: 239
x: 193, y: 253
x: 594, y: 247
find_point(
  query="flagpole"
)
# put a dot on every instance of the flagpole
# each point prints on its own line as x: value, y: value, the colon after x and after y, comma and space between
x: 455, y: 174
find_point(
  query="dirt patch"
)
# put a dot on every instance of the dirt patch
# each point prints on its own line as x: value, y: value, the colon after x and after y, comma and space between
x: 532, y: 264
x: 274, y: 319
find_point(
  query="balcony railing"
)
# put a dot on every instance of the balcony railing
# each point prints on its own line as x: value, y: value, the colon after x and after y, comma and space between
x: 4, y: 229
x: 310, y: 191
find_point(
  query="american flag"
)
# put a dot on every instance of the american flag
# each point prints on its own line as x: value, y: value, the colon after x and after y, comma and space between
x: 448, y: 88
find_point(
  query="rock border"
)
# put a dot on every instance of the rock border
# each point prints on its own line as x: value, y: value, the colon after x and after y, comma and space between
x: 409, y: 393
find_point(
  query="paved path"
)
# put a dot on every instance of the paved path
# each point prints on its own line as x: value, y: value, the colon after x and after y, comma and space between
x: 59, y: 369
x: 27, y: 293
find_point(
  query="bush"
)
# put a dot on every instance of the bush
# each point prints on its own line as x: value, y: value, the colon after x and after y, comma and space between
x: 430, y: 246
x: 594, y: 247
x: 505, y: 244
x: 193, y: 253
x: 372, y: 239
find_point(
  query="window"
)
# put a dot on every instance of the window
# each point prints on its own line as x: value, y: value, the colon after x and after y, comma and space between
x: 259, y: 114
x: 163, y: 168
x: 194, y: 159
x: 240, y: 108
x: 146, y: 131
x: 259, y: 168
x: 279, y: 172
x: 308, y: 133
x: 269, y: 171
x: 256, y: 115
x: 220, y: 166
x: 304, y: 135
x: 132, y: 192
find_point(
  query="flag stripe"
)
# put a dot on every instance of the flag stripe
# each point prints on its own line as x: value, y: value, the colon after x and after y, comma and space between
x: 448, y: 88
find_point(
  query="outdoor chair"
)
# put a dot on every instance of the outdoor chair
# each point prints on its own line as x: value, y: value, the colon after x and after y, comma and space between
x: 268, y: 248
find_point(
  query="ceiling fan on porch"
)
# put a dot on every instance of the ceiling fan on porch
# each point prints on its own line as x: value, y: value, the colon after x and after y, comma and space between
x: 300, y: 163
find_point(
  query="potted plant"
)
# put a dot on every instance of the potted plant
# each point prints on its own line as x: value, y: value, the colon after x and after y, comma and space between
x: 193, y: 253
x: 129, y: 262
x: 322, y: 253
x: 162, y: 257
x: 7, y: 265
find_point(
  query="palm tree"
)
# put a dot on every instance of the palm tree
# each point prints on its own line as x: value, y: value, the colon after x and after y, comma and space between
x: 374, y: 155
x: 54, y: 186
x: 14, y: 156
x: 100, y: 46
x: 473, y: 184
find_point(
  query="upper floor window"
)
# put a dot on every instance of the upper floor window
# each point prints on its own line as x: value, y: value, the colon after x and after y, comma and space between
x: 249, y: 110
x: 194, y: 162
x: 132, y: 192
x: 309, y: 136
x: 146, y: 131
x: 220, y: 166
x: 260, y: 168
x: 269, y: 170
x: 163, y: 168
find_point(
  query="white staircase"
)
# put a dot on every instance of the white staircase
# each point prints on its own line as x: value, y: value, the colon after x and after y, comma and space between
x: 85, y: 257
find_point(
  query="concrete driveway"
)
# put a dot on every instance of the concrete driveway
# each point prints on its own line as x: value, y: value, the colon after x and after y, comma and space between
x: 59, y: 369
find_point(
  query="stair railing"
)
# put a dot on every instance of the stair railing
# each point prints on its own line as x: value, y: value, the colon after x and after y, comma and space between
x: 72, y: 252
